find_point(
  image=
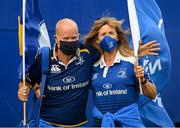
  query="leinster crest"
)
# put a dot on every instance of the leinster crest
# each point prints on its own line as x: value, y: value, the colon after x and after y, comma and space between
x: 122, y: 73
x: 80, y: 60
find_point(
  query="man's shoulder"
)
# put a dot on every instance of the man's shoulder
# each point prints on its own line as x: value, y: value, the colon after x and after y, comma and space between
x: 84, y: 48
x: 89, y: 47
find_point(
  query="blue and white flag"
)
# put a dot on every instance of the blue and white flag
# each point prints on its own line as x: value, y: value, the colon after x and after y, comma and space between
x: 36, y: 34
x: 158, y: 67
x: 36, y: 37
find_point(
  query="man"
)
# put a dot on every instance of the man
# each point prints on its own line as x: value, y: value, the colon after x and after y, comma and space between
x: 67, y: 82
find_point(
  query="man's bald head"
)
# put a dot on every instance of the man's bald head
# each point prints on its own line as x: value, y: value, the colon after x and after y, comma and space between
x: 66, y: 26
x: 67, y: 36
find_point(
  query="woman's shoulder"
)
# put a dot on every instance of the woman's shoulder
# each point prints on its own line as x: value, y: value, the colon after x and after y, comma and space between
x: 130, y: 59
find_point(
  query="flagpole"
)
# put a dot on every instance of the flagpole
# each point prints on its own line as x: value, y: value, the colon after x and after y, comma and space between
x: 135, y: 32
x: 24, y: 103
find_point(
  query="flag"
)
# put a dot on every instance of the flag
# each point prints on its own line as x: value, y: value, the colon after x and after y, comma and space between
x: 36, y: 34
x: 36, y: 37
x: 158, y: 67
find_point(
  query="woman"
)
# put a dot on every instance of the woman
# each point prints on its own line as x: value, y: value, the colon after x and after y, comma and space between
x: 115, y: 77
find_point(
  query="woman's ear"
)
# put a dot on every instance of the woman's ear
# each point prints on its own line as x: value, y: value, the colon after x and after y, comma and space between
x: 97, y: 41
x: 118, y: 40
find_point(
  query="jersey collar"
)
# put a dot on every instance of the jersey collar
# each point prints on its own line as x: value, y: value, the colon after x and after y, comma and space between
x: 73, y: 58
x: 117, y: 59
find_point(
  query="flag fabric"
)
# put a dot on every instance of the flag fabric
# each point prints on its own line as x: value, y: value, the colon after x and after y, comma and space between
x: 36, y: 34
x: 158, y: 67
x: 36, y: 37
x: 154, y: 114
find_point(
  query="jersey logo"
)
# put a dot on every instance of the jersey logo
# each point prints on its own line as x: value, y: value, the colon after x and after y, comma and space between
x: 55, y: 69
x: 69, y: 79
x: 122, y: 73
x: 107, y: 85
x: 80, y: 60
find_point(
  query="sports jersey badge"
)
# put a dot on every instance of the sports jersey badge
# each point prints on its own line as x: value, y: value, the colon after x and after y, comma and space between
x: 69, y: 79
x: 107, y: 86
x: 55, y: 68
x: 80, y: 60
x: 122, y: 73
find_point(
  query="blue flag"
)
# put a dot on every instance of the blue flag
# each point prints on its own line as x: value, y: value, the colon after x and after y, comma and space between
x: 158, y: 67
x: 36, y: 34
x: 36, y: 37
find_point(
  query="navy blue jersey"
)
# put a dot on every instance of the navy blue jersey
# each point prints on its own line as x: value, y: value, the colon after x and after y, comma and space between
x: 116, y: 86
x: 66, y: 89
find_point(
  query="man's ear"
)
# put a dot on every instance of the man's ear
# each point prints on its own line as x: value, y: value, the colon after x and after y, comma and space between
x: 56, y: 41
x: 79, y: 35
x: 56, y: 38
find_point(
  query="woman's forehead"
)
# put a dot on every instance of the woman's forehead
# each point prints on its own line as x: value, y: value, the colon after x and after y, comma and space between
x: 106, y: 27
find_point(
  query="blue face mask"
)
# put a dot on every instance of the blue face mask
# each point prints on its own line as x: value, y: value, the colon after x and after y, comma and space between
x: 108, y: 43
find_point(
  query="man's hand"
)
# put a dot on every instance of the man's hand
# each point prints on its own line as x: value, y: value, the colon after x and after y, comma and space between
x: 150, y: 48
x: 37, y: 89
x: 23, y: 91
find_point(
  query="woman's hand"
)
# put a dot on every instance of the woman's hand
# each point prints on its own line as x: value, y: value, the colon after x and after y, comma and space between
x: 151, y: 48
x: 139, y: 70
x: 148, y: 88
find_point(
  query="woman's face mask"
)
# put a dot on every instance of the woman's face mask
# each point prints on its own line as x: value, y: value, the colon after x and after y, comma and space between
x: 108, y: 43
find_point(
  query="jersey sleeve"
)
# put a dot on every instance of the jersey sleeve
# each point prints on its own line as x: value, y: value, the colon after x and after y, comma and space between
x: 94, y: 53
x: 33, y: 75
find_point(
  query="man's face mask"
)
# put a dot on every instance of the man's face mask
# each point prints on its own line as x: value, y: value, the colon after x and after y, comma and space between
x: 108, y: 43
x: 69, y: 48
